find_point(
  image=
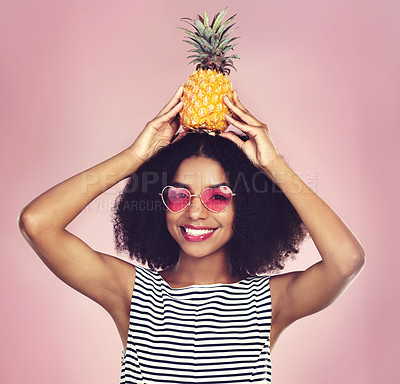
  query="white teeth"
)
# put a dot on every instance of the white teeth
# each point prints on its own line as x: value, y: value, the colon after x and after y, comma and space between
x: 197, y: 232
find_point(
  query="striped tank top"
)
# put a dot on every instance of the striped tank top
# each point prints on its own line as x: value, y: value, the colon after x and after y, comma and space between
x: 208, y: 334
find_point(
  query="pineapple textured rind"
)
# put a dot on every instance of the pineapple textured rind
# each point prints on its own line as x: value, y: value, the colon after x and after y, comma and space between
x: 203, y: 107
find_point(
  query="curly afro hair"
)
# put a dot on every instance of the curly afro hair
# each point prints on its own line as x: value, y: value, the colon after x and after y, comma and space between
x: 267, y: 229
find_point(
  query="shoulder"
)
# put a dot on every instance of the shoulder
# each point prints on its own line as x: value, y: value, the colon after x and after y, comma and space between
x: 123, y: 274
x: 257, y: 283
x: 122, y: 267
x: 279, y: 282
x: 279, y: 289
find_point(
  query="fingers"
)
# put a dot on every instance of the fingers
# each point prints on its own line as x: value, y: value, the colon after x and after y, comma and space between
x: 238, y: 124
x: 171, y: 114
x: 175, y: 99
x: 229, y: 135
x: 175, y: 123
x: 243, y: 114
x: 237, y: 101
x: 182, y: 134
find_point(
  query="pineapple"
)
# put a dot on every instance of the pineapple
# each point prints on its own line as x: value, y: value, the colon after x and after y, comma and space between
x: 203, y: 108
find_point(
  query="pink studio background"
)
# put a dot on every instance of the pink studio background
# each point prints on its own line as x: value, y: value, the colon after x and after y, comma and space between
x: 79, y: 79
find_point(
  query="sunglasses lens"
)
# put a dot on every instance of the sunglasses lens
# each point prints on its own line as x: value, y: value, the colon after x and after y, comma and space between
x: 176, y: 198
x: 217, y: 199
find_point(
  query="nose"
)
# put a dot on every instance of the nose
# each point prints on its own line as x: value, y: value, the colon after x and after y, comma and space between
x: 196, y: 210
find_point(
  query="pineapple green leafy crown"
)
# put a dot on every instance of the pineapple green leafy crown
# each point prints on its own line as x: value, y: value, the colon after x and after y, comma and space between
x: 211, y: 42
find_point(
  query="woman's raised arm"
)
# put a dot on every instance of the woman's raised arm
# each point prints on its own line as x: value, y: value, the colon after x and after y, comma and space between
x: 43, y: 222
x: 299, y: 294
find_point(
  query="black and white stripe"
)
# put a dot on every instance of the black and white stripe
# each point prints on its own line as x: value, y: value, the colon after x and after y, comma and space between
x: 203, y: 334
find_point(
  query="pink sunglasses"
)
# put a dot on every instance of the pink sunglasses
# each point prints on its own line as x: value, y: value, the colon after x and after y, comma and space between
x: 216, y: 200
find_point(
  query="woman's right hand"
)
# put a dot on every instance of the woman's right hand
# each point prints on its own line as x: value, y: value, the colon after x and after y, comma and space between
x: 158, y: 132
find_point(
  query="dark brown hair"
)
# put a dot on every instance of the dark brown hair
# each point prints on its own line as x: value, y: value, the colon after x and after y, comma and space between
x: 267, y: 229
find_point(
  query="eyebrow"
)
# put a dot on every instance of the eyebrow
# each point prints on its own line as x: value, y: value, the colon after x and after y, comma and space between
x: 181, y: 185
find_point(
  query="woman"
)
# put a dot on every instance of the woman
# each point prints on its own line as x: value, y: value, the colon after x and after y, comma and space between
x: 205, y: 316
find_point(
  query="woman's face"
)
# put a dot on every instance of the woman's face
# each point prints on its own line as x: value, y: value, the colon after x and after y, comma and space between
x: 195, y: 174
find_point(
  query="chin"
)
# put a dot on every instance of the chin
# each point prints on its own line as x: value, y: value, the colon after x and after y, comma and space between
x: 197, y: 250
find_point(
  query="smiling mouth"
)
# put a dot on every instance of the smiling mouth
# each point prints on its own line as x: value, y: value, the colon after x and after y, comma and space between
x: 197, y: 232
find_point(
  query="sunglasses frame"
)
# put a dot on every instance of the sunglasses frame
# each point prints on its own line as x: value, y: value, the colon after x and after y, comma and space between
x: 190, y: 198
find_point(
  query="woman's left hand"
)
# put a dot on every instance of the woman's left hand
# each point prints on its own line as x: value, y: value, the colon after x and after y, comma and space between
x: 260, y: 148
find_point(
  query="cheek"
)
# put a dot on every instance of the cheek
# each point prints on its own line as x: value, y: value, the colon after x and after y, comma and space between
x: 171, y: 222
